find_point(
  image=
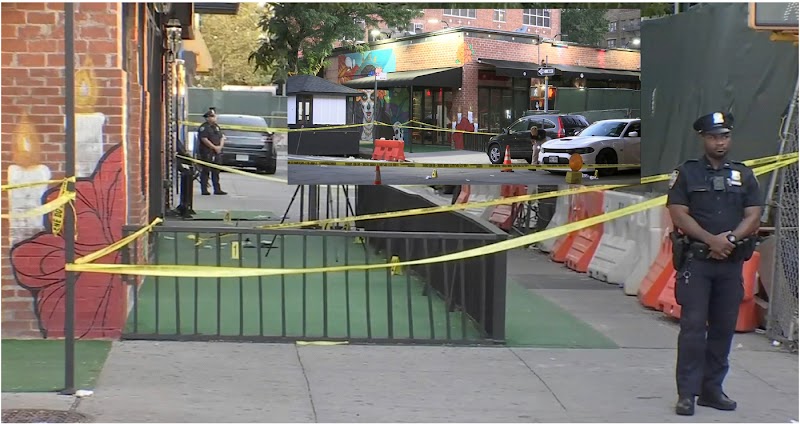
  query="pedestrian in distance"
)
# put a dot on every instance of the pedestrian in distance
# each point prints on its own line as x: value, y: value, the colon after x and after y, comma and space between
x: 212, y: 141
x: 715, y: 206
x: 538, y: 137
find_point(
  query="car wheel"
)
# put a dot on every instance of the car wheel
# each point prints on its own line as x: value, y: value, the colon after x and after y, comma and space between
x: 495, y: 154
x: 606, y: 157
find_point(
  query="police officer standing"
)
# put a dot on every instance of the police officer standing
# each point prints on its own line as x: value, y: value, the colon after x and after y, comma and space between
x: 715, y: 206
x: 211, y: 143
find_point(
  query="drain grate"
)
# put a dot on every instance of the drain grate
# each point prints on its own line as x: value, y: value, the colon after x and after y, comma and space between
x: 43, y: 416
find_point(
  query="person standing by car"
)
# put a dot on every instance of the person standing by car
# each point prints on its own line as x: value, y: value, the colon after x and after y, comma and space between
x: 211, y: 143
x: 716, y: 205
x: 538, y: 136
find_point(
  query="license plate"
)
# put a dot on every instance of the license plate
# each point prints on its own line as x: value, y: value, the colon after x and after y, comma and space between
x: 242, y: 158
x: 552, y: 159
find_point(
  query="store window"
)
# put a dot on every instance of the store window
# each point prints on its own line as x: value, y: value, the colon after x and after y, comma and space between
x: 432, y: 107
x: 499, y: 15
x: 501, y: 100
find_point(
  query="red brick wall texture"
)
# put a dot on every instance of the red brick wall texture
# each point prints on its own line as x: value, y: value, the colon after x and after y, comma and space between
x: 109, y: 142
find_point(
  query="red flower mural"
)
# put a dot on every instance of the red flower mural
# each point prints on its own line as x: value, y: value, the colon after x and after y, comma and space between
x: 38, y: 263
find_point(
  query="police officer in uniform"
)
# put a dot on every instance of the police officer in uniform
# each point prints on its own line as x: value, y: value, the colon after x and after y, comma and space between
x: 715, y: 206
x: 211, y: 143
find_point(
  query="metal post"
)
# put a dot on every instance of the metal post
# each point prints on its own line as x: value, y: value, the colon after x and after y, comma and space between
x: 313, y: 202
x: 785, y: 128
x: 546, y: 88
x: 69, y: 217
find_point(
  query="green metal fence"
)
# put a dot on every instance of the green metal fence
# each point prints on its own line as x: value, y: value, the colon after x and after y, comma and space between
x: 258, y: 103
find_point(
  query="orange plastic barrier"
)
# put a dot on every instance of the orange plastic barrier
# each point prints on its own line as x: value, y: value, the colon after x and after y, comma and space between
x: 463, y: 196
x: 503, y: 215
x: 564, y: 243
x: 748, y: 310
x: 391, y: 150
x: 584, y: 205
x: 661, y: 270
x: 586, y: 241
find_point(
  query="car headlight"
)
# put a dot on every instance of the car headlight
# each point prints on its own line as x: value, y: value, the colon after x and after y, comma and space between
x: 584, y: 150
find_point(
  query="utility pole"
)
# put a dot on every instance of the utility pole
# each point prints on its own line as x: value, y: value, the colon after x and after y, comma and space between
x: 546, y: 87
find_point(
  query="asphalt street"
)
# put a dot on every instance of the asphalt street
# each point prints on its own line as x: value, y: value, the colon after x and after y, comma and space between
x: 327, y: 174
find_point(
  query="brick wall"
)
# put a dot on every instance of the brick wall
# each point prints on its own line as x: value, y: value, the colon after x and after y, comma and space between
x: 33, y: 93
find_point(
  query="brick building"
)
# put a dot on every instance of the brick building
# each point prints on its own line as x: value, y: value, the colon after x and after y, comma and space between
x: 488, y: 76
x: 624, y: 28
x: 544, y: 22
x: 120, y: 131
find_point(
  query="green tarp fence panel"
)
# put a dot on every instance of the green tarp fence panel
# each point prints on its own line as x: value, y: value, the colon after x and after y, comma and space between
x: 707, y: 59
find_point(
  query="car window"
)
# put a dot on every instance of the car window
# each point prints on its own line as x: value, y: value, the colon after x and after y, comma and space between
x: 548, y: 124
x: 605, y: 129
x: 242, y: 120
x: 520, y: 126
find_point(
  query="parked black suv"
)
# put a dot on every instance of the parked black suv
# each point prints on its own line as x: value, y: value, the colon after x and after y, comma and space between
x: 518, y: 135
x: 248, y: 149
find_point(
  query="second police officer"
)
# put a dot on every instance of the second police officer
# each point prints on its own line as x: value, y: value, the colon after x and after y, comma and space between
x: 211, y: 143
x: 715, y: 206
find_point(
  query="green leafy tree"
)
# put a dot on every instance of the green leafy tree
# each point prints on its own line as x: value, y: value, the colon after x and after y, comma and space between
x: 301, y: 36
x: 230, y: 39
x: 584, y: 26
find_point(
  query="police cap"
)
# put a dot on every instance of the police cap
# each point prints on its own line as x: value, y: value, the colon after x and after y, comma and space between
x: 714, y: 123
x: 211, y: 112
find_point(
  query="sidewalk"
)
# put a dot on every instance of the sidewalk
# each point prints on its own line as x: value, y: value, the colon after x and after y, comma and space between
x: 231, y: 382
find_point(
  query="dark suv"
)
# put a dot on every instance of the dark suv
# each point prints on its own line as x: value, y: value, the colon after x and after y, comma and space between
x: 518, y: 135
x: 253, y: 148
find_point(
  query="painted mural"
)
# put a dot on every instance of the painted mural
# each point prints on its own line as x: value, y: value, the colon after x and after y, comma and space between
x: 359, y: 65
x: 38, y: 261
x: 26, y: 167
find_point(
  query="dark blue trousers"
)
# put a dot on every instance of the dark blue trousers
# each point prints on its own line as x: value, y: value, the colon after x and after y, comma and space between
x: 709, y: 292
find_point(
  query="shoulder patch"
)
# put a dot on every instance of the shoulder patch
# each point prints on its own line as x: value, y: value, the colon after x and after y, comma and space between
x: 673, y: 178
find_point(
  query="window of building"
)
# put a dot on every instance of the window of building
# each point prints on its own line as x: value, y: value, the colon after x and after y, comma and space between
x: 499, y: 15
x: 612, y: 27
x: 501, y: 100
x: 612, y: 43
x: 416, y: 27
x: 303, y: 110
x: 536, y: 17
x: 461, y: 13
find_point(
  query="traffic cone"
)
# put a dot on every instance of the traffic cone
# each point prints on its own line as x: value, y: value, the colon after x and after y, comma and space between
x: 377, y: 175
x: 507, y: 161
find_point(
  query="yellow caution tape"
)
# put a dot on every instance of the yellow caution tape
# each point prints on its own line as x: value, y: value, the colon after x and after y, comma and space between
x: 5, y: 187
x: 223, y: 272
x: 58, y: 214
x: 435, y: 129
x: 233, y: 170
x: 119, y: 244
x: 43, y: 209
x: 749, y: 163
x: 448, y: 165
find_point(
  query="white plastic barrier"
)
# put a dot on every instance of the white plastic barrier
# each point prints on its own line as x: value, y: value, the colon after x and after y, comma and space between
x: 560, y: 217
x: 483, y: 193
x: 628, y: 245
x: 659, y: 225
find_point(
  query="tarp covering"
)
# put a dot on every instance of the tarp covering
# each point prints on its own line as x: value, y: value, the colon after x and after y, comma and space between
x: 707, y: 59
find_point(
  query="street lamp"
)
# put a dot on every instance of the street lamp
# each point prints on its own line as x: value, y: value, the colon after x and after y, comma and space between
x: 636, y: 41
x: 173, y: 30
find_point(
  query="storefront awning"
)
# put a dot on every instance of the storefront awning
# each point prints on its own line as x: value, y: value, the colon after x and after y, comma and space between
x: 528, y: 70
x: 442, y: 77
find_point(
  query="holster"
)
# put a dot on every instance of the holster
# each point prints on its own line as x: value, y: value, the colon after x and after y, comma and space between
x: 680, y: 247
x: 746, y: 247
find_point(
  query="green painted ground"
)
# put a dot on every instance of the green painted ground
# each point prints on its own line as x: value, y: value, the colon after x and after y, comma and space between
x: 253, y: 306
x: 532, y: 320
x: 234, y: 215
x: 38, y: 365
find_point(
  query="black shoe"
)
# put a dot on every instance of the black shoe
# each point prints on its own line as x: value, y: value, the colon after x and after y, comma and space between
x: 721, y: 402
x: 685, y: 406
x: 220, y: 193
x: 205, y: 193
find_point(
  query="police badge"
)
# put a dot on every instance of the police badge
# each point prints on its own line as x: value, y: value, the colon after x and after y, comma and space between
x: 673, y: 178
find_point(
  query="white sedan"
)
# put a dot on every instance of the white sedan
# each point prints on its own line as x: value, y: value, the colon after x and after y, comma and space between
x: 608, y: 141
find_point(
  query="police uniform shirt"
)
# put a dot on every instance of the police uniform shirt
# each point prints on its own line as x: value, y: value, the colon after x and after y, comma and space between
x: 716, y: 197
x: 212, y: 132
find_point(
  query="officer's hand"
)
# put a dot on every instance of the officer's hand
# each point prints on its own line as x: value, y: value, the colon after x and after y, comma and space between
x: 720, y: 246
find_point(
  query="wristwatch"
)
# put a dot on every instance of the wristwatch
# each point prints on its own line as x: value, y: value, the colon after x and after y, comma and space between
x: 731, y: 238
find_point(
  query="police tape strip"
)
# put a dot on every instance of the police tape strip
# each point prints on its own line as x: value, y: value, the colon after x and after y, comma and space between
x: 227, y: 272
x: 750, y: 163
x: 232, y: 170
x: 334, y: 127
x: 449, y: 165
x: 119, y: 244
x: 43, y: 209
x: 15, y: 186
x: 326, y: 223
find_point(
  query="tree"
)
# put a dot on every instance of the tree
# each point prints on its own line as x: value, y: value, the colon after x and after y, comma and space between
x: 301, y: 36
x: 230, y: 39
x: 584, y: 26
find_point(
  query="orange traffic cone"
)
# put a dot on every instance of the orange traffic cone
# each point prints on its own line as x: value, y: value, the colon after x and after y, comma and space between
x: 377, y: 175
x: 507, y: 161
